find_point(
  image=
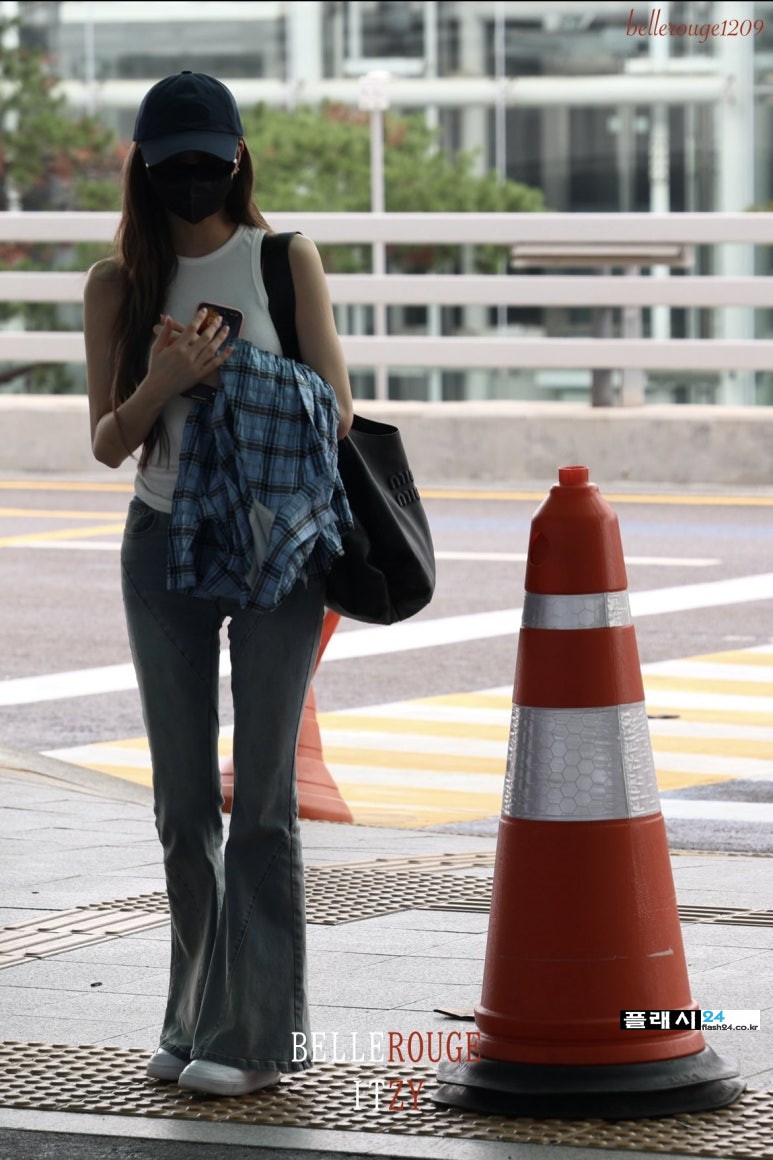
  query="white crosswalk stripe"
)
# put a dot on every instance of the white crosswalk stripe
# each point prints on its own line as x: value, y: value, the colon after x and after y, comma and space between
x: 384, y: 640
x: 442, y: 759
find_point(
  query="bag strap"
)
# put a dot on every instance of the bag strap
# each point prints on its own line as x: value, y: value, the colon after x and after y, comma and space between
x: 278, y: 280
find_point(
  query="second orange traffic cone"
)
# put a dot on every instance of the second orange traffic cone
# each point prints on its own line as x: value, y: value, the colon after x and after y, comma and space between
x: 584, y: 923
x: 319, y: 798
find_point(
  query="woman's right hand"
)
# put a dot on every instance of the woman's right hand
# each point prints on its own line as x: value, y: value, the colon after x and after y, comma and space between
x: 181, y: 356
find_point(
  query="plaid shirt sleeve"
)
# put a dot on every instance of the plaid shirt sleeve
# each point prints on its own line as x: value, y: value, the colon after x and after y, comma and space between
x: 259, y: 503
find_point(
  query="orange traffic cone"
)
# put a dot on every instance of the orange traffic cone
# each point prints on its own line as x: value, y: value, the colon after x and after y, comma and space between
x: 318, y: 795
x: 584, y: 925
x: 319, y: 798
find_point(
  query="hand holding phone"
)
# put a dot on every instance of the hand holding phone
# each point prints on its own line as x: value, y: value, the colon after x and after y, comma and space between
x: 233, y: 319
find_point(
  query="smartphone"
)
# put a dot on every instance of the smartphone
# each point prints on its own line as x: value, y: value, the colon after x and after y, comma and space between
x: 233, y: 319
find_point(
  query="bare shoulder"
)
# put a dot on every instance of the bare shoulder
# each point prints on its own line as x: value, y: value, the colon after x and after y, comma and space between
x: 104, y: 287
x: 106, y: 270
x: 304, y: 255
x: 313, y: 307
x: 104, y: 277
x: 308, y: 275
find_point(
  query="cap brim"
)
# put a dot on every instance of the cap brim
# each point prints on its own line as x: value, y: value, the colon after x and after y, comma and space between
x: 222, y: 145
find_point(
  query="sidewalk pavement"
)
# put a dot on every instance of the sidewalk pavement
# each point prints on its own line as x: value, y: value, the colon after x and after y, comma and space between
x: 82, y: 1005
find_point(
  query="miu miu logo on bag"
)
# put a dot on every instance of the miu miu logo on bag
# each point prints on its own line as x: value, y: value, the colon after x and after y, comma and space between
x: 405, y: 490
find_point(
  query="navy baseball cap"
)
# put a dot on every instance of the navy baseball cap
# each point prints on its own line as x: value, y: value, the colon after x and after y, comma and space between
x: 188, y: 111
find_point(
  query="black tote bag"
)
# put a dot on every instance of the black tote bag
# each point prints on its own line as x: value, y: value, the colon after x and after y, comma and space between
x: 387, y: 572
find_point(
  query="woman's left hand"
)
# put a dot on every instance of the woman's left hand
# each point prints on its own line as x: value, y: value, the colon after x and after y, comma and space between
x: 177, y: 327
x: 175, y: 330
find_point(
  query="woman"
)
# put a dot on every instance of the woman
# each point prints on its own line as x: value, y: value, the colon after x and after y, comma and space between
x: 190, y: 232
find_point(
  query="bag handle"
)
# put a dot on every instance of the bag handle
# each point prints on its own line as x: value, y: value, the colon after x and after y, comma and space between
x: 278, y: 280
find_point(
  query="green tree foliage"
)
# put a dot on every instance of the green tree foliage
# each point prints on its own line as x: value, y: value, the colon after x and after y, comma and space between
x: 318, y: 160
x: 49, y: 160
x: 52, y: 159
x: 312, y: 159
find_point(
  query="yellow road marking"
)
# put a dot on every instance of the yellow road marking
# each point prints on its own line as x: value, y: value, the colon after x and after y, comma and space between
x: 711, y: 716
x: 655, y: 683
x: 385, y: 789
x: 716, y: 746
x: 224, y: 744
x: 62, y: 534
x: 61, y: 485
x: 445, y: 493
x: 669, y: 779
x: 127, y: 773
x: 403, y: 759
x: 611, y: 497
x: 350, y: 722
x: 739, y: 657
x: 404, y: 796
x: 401, y: 795
x: 132, y: 743
x: 59, y: 514
x: 376, y: 814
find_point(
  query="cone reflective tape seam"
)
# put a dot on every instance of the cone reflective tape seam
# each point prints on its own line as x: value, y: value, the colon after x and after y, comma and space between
x: 580, y: 765
x: 593, y: 610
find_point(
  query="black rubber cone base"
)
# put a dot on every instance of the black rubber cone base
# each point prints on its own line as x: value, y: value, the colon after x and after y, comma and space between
x: 691, y: 1083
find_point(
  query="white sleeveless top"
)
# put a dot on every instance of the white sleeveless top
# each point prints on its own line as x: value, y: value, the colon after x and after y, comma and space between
x: 229, y: 276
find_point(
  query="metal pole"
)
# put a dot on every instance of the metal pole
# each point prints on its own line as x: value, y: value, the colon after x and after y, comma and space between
x: 89, y: 52
x: 434, y: 313
x: 500, y: 142
x: 659, y: 167
x: 379, y: 249
x: 602, y: 378
x: 375, y: 98
x: 353, y: 30
x: 9, y: 11
x: 290, y: 70
x: 500, y: 108
x: 632, y: 383
x: 431, y: 55
x: 735, y: 185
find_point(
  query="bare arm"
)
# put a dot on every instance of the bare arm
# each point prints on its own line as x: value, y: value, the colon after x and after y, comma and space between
x: 173, y: 367
x: 317, y: 336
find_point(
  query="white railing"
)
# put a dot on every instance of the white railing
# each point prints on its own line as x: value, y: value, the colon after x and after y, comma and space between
x: 739, y: 231
x: 578, y: 290
x: 449, y: 228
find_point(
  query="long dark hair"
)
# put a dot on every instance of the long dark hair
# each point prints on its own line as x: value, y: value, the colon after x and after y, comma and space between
x: 148, y: 263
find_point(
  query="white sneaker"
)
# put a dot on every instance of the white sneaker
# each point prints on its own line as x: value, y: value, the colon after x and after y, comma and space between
x: 165, y: 1066
x: 216, y: 1079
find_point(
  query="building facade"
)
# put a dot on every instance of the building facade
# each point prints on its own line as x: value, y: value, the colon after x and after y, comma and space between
x: 591, y: 102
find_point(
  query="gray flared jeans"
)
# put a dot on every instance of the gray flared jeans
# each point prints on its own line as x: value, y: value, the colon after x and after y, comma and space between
x: 237, y: 988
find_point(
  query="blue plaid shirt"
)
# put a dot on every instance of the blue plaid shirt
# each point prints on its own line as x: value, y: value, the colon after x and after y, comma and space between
x: 259, y: 503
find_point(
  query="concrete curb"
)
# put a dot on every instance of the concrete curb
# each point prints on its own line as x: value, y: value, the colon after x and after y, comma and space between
x: 485, y: 442
x: 28, y: 763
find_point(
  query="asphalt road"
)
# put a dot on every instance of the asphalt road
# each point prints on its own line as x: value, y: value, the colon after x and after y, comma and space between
x: 61, y: 608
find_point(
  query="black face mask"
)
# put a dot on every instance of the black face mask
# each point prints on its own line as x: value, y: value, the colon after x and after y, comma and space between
x: 192, y: 192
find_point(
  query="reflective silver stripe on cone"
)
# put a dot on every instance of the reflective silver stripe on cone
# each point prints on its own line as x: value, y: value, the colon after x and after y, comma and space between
x: 577, y: 765
x: 592, y: 610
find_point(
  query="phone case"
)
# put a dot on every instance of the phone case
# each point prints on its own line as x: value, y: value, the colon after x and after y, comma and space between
x: 233, y: 319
